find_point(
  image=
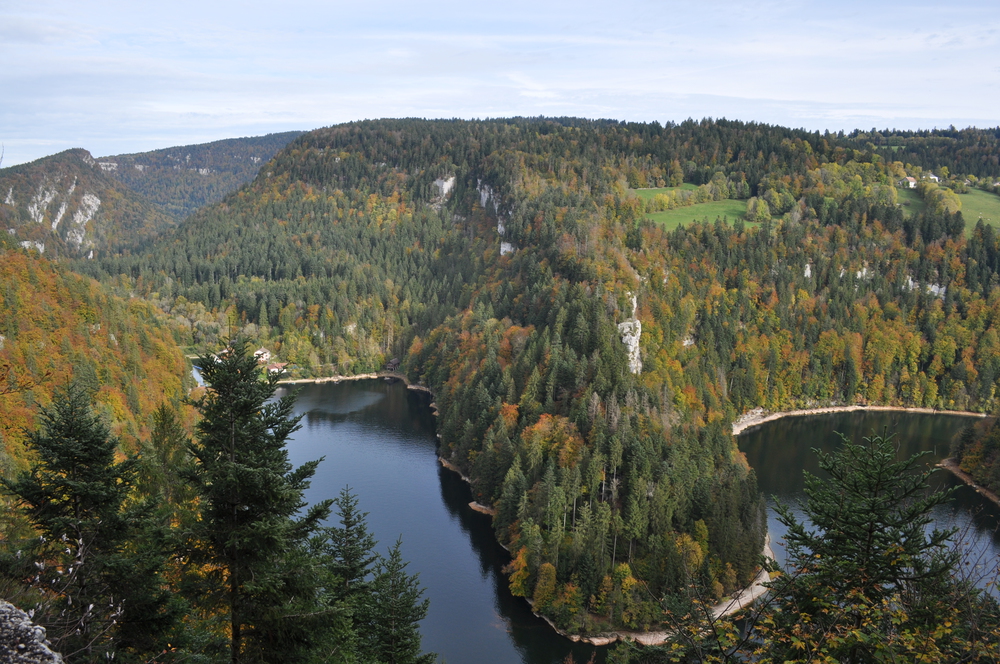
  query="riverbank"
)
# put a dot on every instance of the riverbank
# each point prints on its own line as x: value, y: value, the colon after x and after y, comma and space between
x: 758, y: 416
x: 952, y: 465
x: 736, y: 603
x: 395, y: 375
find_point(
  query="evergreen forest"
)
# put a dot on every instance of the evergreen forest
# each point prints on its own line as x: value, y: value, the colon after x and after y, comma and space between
x: 588, y: 363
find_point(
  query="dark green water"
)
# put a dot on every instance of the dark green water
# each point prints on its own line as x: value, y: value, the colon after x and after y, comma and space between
x: 781, y: 450
x: 380, y: 440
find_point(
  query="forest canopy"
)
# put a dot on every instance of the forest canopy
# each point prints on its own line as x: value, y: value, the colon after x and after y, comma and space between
x: 587, y: 362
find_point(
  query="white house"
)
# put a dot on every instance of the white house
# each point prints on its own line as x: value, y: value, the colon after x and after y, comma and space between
x: 262, y: 355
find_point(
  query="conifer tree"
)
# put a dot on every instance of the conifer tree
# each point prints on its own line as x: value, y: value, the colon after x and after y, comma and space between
x: 264, y: 573
x: 868, y: 580
x: 96, y: 563
x: 389, y: 617
x: 352, y: 547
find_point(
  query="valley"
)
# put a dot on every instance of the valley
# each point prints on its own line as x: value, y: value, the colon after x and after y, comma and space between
x: 589, y: 333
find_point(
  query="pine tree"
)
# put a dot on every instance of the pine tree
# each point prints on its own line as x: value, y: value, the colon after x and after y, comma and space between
x: 96, y: 563
x: 868, y: 581
x: 264, y: 570
x: 352, y: 547
x: 389, y: 616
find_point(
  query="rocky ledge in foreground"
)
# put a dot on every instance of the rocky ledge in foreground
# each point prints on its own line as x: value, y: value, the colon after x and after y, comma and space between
x: 22, y: 641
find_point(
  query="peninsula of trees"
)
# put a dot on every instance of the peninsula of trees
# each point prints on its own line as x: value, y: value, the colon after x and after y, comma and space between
x: 587, y: 361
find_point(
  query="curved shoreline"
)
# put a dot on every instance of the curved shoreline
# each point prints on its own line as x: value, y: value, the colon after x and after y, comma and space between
x: 365, y: 376
x: 951, y: 465
x: 758, y: 416
x: 730, y: 606
x: 736, y: 603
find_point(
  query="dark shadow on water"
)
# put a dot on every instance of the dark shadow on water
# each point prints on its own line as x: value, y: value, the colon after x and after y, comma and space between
x: 381, y: 439
x: 531, y: 635
x: 779, y: 452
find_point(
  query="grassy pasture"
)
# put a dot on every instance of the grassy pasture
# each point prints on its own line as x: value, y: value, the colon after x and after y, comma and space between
x: 976, y: 204
x: 671, y: 219
x: 912, y: 204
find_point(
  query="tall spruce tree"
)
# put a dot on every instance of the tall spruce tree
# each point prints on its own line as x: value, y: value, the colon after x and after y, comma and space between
x: 868, y: 580
x: 254, y: 535
x: 389, y: 616
x: 352, y: 547
x: 95, y: 565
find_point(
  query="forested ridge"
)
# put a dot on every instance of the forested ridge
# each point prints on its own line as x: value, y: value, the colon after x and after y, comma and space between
x: 71, y: 204
x: 57, y: 327
x: 67, y: 205
x: 181, y: 179
x: 499, y: 259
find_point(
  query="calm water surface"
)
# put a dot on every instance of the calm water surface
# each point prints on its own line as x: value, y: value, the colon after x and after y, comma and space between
x: 379, y: 439
x: 781, y: 450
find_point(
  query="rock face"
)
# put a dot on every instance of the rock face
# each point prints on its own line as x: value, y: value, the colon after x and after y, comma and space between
x: 22, y: 641
x: 490, y: 199
x: 631, y: 331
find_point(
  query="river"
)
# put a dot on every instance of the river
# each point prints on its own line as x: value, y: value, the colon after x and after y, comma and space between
x: 779, y: 451
x: 379, y: 439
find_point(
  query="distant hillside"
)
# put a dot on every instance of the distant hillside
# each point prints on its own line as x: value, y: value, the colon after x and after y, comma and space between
x: 181, y: 179
x: 66, y: 205
x: 70, y: 204
x: 56, y: 326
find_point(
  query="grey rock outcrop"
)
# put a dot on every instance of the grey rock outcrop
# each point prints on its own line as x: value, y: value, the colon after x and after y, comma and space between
x: 22, y: 641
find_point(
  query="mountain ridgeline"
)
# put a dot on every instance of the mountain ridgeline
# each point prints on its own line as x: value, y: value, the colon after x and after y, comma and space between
x: 72, y: 205
x: 588, y: 363
x: 179, y: 180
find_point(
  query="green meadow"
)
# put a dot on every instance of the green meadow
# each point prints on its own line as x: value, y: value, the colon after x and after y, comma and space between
x: 975, y: 205
x: 912, y: 204
x: 980, y: 204
x: 685, y: 215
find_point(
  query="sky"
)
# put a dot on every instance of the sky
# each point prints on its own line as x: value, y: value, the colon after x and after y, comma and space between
x: 124, y: 76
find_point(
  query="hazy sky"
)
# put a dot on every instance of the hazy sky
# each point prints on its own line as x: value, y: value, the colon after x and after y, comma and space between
x: 118, y: 77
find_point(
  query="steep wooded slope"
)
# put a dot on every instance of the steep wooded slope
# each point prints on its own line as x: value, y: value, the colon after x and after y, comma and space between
x: 71, y: 204
x: 67, y: 205
x: 586, y: 363
x: 57, y: 327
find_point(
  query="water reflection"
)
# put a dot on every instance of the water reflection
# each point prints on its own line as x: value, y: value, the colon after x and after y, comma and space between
x: 779, y: 451
x: 380, y: 439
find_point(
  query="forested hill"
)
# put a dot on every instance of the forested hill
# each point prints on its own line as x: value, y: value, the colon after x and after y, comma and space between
x: 67, y: 205
x: 181, y: 179
x: 587, y: 362
x: 57, y: 327
x: 71, y: 204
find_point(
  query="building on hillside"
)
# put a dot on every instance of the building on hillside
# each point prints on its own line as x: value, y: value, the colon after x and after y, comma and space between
x: 276, y: 367
x: 910, y: 182
x: 392, y: 364
x: 263, y: 355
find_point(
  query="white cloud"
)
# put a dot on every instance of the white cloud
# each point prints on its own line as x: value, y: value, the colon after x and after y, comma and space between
x: 121, y: 77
